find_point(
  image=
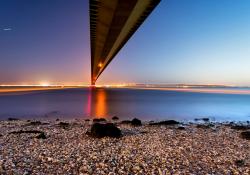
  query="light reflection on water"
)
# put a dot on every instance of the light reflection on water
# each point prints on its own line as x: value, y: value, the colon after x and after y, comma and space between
x: 97, y: 107
x: 96, y: 103
x: 125, y: 103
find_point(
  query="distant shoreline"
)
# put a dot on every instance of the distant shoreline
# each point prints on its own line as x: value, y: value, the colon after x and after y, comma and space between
x: 211, y: 90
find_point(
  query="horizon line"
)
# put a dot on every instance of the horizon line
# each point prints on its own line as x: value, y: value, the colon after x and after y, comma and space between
x: 177, y: 85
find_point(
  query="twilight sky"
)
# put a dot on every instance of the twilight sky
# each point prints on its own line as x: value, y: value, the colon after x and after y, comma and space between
x: 182, y: 41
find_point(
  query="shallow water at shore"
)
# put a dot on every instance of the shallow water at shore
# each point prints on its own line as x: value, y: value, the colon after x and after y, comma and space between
x: 126, y: 103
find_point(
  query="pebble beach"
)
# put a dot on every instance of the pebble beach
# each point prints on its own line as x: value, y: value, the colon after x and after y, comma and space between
x: 146, y: 149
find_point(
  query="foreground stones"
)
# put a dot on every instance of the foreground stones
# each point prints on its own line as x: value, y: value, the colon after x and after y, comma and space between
x: 104, y: 130
x: 157, y: 150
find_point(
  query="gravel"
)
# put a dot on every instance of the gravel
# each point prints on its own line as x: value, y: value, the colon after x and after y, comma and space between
x: 141, y: 150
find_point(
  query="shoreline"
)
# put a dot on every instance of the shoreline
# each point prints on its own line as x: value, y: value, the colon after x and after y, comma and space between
x: 65, y: 148
x: 209, y: 90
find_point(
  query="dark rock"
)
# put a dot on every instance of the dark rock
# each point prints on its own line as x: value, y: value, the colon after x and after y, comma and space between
x: 239, y: 162
x: 115, y: 118
x: 245, y: 135
x: 27, y: 172
x: 12, y: 119
x: 181, y: 128
x: 35, y: 123
x: 27, y: 132
x: 99, y: 120
x: 64, y: 125
x: 41, y: 136
x: 240, y: 127
x: 87, y: 120
x: 205, y: 119
x: 166, y: 122
x: 205, y: 126
x: 136, y: 122
x: 126, y: 122
x: 102, y: 120
x: 57, y: 119
x: 100, y: 130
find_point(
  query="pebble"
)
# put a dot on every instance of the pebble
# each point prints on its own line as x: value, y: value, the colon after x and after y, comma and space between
x: 141, y: 150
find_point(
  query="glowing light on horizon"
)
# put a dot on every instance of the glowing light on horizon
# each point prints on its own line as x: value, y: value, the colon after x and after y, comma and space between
x: 45, y: 84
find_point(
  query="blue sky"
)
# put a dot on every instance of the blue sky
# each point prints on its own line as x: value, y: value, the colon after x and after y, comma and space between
x: 182, y: 41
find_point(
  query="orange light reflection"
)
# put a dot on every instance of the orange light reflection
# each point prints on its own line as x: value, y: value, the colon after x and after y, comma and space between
x: 101, y: 106
x: 96, y: 103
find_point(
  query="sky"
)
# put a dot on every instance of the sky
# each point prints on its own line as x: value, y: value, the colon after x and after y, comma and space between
x: 182, y: 41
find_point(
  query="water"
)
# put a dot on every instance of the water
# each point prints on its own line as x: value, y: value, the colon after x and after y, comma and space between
x: 125, y: 103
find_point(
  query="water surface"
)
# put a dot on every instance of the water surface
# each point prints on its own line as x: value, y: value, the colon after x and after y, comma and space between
x: 126, y: 103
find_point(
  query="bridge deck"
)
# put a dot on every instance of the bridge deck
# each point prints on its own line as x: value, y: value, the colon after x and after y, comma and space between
x: 112, y: 23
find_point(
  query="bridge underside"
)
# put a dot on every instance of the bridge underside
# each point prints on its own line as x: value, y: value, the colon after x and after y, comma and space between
x: 112, y: 23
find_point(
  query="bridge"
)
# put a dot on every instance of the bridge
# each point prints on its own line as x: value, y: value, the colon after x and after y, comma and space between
x: 112, y: 23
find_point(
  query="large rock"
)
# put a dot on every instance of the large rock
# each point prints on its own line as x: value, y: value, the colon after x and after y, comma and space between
x: 100, y: 130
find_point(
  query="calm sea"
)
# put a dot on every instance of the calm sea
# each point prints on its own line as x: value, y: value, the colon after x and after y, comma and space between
x: 146, y: 104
